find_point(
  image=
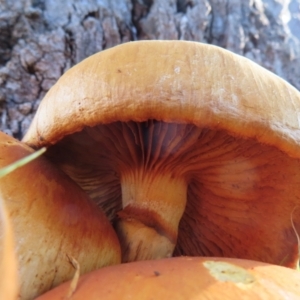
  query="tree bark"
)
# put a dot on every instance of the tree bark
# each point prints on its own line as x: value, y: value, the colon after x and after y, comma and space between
x: 41, y: 39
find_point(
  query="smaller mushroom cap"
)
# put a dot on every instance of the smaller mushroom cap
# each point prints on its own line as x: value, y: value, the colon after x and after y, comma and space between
x: 185, y: 278
x: 9, y: 283
x: 53, y: 221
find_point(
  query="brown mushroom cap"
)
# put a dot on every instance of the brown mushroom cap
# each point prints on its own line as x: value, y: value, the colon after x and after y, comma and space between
x: 189, y: 145
x: 53, y: 221
x: 185, y: 278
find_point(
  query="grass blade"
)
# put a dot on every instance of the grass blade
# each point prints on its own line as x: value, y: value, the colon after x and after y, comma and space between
x: 19, y: 163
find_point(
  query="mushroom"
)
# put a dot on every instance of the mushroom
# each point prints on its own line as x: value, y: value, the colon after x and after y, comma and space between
x: 189, y: 149
x: 185, y: 278
x: 54, y: 222
x: 8, y: 261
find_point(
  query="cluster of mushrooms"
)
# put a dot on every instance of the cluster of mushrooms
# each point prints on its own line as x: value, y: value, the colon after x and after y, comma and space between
x: 177, y: 162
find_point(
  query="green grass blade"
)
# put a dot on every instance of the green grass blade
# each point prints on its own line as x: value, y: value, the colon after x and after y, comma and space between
x: 19, y: 163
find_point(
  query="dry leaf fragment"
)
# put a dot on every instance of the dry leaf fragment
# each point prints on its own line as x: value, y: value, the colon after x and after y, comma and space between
x: 74, y: 281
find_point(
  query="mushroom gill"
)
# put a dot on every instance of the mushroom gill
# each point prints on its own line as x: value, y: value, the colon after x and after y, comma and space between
x: 177, y: 186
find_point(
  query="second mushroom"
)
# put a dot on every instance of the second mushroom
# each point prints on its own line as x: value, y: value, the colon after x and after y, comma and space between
x: 188, y: 148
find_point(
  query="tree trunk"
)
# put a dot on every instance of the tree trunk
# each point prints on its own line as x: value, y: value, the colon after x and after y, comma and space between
x: 41, y: 39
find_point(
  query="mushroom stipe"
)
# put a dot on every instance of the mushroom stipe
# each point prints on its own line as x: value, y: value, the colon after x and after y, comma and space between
x: 188, y: 148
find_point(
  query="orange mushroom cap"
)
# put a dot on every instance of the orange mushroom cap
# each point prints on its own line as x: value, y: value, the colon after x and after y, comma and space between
x: 9, y: 284
x: 53, y: 222
x: 185, y: 278
x: 185, y: 146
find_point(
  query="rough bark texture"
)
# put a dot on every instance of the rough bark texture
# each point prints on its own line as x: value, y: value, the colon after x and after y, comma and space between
x: 41, y: 39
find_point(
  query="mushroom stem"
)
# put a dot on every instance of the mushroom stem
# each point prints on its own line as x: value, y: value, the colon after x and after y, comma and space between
x: 153, y: 206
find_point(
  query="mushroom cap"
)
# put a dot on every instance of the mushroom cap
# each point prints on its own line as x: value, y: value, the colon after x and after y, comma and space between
x: 171, y: 81
x: 9, y: 284
x: 231, y: 125
x: 53, y: 221
x: 185, y: 278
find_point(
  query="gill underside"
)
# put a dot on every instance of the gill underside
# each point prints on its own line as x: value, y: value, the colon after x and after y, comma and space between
x: 239, y: 193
